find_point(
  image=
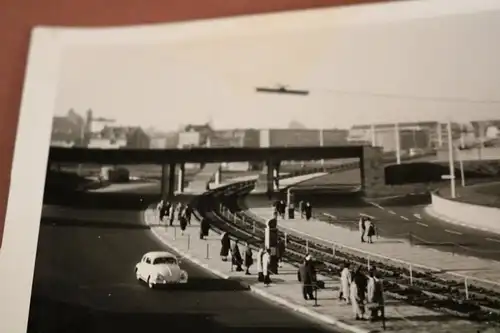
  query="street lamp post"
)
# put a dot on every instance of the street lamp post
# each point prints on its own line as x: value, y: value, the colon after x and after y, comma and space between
x: 451, y: 162
x: 398, y: 143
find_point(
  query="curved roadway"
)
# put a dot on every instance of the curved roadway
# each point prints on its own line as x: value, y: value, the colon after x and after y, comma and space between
x: 84, y: 280
x: 395, y: 217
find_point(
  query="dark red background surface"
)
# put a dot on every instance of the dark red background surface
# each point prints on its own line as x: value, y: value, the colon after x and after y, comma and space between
x: 17, y: 17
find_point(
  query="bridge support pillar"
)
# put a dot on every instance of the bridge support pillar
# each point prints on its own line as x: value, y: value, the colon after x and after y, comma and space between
x: 217, y: 176
x: 276, y: 174
x: 181, y: 175
x: 372, y: 170
x: 272, y: 177
x: 167, y: 181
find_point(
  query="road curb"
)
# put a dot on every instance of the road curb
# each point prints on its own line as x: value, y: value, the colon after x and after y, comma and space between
x: 258, y: 291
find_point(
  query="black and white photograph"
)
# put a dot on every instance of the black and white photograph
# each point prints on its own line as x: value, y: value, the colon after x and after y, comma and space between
x: 327, y: 170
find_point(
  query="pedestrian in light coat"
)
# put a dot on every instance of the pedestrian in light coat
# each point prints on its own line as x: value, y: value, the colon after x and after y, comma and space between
x: 266, y: 260
x: 345, y: 284
x: 362, y: 228
x: 260, y: 273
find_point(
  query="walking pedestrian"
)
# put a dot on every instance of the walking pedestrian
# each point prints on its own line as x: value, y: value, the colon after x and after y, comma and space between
x: 266, y: 260
x: 306, y: 278
x: 248, y: 262
x: 225, y: 246
x: 236, y: 259
x: 172, y: 214
x: 291, y: 210
x: 374, y: 295
x: 183, y: 224
x: 282, y: 209
x: 204, y: 228
x: 370, y: 230
x: 308, y: 211
x: 188, y: 212
x: 260, y: 272
x: 357, y: 293
x: 362, y: 228
x: 345, y: 284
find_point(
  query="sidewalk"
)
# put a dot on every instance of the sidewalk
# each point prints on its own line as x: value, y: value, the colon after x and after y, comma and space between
x: 287, y: 182
x: 285, y: 289
x: 482, y: 270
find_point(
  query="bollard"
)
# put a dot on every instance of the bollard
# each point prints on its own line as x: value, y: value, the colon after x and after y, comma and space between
x: 189, y: 241
x: 253, y: 227
x: 315, y: 295
x: 411, y: 275
x: 286, y: 239
x: 208, y: 251
x: 368, y: 262
x: 307, y: 246
x: 410, y: 238
x: 234, y: 218
x: 175, y: 232
x: 466, y: 289
x: 334, y: 250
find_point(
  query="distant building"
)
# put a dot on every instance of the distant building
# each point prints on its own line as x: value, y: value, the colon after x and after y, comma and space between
x: 116, y: 137
x: 301, y: 137
x: 422, y: 135
x: 235, y: 138
x: 195, y: 136
x: 68, y: 130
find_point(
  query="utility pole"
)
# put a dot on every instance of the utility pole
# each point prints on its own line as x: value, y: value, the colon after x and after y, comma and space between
x: 451, y: 162
x: 398, y: 143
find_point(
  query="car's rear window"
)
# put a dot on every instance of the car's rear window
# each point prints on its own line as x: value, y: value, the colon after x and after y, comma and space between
x: 165, y: 260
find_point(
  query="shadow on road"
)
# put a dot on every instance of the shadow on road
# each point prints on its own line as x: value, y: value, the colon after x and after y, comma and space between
x: 52, y: 316
x: 97, y: 201
x: 65, y: 222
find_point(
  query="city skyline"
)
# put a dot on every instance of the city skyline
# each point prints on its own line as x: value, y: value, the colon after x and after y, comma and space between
x: 418, y: 70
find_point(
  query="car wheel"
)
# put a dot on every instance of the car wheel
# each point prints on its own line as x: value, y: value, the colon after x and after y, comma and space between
x: 137, y: 275
x: 150, y: 283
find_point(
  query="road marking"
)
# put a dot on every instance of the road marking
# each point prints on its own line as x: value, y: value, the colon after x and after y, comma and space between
x: 404, y: 218
x: 363, y: 214
x: 422, y: 224
x: 453, y: 232
x: 376, y: 205
x: 330, y: 216
x: 392, y: 212
x: 417, y: 216
x: 493, y: 240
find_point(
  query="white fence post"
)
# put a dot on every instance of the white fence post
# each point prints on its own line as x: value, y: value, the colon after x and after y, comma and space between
x: 411, y: 275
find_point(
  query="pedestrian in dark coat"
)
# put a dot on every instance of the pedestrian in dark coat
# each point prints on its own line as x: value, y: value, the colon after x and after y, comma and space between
x: 183, y: 224
x: 236, y: 259
x: 308, y: 211
x: 282, y: 209
x: 248, y: 259
x: 306, y: 278
x: 188, y: 212
x: 204, y: 228
x: 225, y: 246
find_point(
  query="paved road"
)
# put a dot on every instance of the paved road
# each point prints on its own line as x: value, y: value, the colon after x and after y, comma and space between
x: 397, y: 219
x: 84, y: 282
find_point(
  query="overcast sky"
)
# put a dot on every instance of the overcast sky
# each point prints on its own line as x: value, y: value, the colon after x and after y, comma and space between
x: 456, y: 57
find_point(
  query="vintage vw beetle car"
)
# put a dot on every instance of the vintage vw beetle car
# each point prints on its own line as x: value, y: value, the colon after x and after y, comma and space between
x: 160, y: 268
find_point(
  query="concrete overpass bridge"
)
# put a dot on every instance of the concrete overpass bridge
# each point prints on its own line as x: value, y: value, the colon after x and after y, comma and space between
x: 371, y: 160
